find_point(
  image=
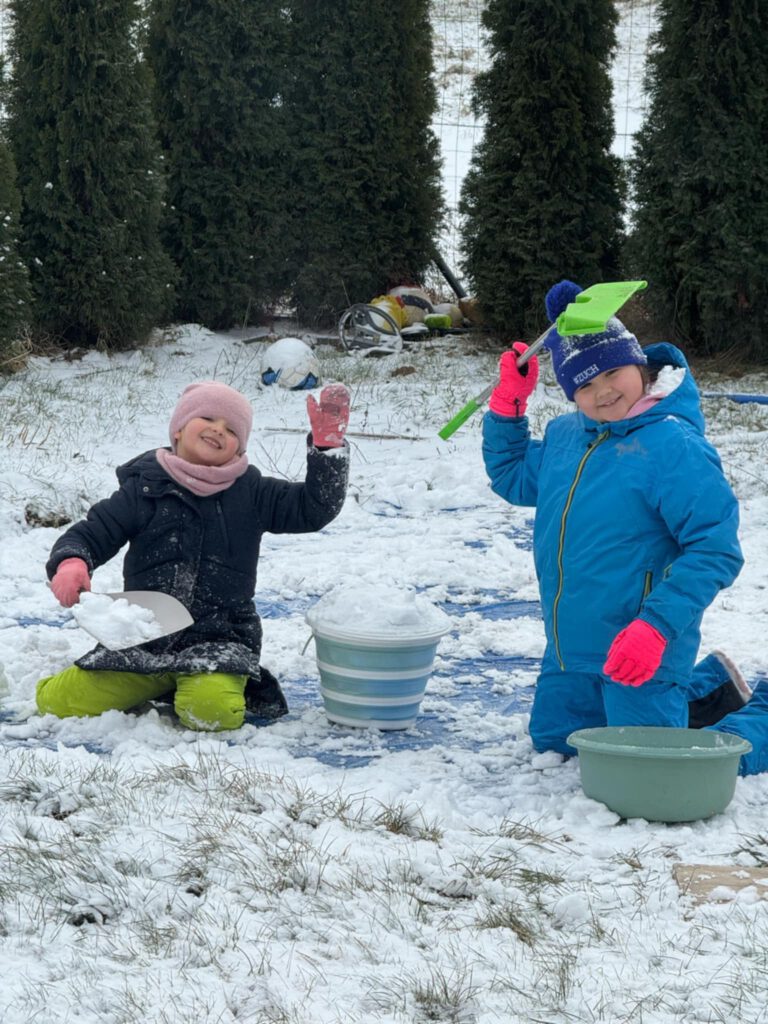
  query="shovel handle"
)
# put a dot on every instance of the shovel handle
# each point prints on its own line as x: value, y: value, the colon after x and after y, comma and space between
x: 475, y: 403
x: 463, y: 414
x: 533, y: 348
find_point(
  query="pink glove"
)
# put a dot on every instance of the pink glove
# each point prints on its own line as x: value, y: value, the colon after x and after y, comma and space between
x: 69, y: 580
x: 329, y: 419
x: 515, y: 387
x: 635, y: 654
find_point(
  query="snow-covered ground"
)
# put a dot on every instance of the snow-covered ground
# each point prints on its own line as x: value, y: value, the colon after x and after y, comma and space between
x: 308, y: 873
x: 304, y: 872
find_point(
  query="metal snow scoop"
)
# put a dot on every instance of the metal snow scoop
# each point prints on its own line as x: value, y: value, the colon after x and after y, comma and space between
x: 587, y: 314
x: 170, y: 616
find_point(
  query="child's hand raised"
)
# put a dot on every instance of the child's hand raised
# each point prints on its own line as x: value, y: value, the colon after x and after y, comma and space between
x: 516, y: 385
x: 330, y: 417
x: 635, y: 654
x: 69, y: 580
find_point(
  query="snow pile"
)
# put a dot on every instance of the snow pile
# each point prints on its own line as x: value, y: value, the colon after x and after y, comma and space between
x: 377, y: 609
x: 115, y: 622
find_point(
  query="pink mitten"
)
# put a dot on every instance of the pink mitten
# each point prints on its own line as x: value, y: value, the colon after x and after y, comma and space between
x: 515, y: 387
x: 330, y: 417
x: 635, y: 654
x: 69, y: 580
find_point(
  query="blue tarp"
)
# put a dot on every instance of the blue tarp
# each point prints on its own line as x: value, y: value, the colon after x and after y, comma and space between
x: 736, y: 397
x: 471, y: 685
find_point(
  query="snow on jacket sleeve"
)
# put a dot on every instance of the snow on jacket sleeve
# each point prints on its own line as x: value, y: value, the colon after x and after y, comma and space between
x: 286, y: 507
x: 512, y: 459
x: 109, y: 525
x: 701, y: 511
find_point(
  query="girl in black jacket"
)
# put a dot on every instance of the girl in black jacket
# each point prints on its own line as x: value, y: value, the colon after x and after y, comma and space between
x: 193, y: 516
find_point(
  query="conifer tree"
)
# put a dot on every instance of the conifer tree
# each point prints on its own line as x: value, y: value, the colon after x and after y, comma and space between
x: 700, y: 176
x: 368, y: 203
x: 84, y: 142
x: 14, y: 280
x: 219, y: 68
x: 543, y: 197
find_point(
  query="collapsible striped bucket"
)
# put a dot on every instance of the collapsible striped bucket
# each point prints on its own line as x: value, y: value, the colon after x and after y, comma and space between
x: 376, y: 680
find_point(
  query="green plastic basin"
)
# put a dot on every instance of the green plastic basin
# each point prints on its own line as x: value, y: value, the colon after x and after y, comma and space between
x: 657, y: 773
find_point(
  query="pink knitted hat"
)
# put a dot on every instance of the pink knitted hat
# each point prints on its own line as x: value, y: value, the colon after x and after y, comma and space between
x: 212, y: 399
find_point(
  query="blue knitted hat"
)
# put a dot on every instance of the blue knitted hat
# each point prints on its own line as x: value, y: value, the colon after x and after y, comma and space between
x: 580, y: 357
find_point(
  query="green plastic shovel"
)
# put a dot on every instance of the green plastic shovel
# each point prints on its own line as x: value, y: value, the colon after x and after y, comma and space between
x: 587, y: 314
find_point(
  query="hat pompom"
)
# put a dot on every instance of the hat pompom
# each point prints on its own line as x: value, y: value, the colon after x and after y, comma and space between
x: 559, y: 296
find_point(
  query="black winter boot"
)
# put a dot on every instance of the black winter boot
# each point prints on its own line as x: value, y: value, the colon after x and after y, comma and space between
x: 730, y: 696
x: 264, y: 698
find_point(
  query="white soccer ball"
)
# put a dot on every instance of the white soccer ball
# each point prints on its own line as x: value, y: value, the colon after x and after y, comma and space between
x: 290, y: 363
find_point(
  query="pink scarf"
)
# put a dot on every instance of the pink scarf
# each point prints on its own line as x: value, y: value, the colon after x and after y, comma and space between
x: 640, y: 406
x: 202, y: 480
x: 668, y: 380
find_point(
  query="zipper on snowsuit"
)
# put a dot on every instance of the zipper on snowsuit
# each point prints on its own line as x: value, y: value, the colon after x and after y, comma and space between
x: 561, y: 542
x: 647, y: 586
x: 222, y: 525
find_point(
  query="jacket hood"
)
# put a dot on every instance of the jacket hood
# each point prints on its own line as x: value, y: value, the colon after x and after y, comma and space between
x: 684, y: 403
x: 145, y: 465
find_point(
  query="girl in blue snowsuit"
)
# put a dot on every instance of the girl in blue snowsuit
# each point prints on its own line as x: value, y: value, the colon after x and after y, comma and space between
x: 635, y: 530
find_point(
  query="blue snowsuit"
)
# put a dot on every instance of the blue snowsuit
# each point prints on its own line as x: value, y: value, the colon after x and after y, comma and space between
x: 634, y: 519
x: 750, y: 721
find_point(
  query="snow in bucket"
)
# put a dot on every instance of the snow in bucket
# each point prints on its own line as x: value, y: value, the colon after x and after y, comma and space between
x: 375, y: 646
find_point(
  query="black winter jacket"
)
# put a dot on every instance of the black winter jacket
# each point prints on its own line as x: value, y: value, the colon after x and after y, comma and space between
x: 203, y: 551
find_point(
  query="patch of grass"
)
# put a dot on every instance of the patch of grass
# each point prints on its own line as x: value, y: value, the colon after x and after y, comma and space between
x: 554, y: 970
x: 530, y: 878
x: 403, y: 820
x: 447, y: 997
x: 755, y: 846
x: 510, y: 917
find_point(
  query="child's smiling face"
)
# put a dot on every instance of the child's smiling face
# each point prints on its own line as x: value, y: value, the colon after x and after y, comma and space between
x: 610, y: 395
x: 206, y: 441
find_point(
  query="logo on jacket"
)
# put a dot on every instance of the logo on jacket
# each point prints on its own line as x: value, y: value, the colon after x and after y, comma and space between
x: 633, y: 447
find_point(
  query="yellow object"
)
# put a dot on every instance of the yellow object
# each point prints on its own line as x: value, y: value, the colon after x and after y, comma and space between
x: 209, y: 701
x: 471, y: 310
x: 390, y: 305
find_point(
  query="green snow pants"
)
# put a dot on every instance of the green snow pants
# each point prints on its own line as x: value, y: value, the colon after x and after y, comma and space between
x: 206, y: 700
